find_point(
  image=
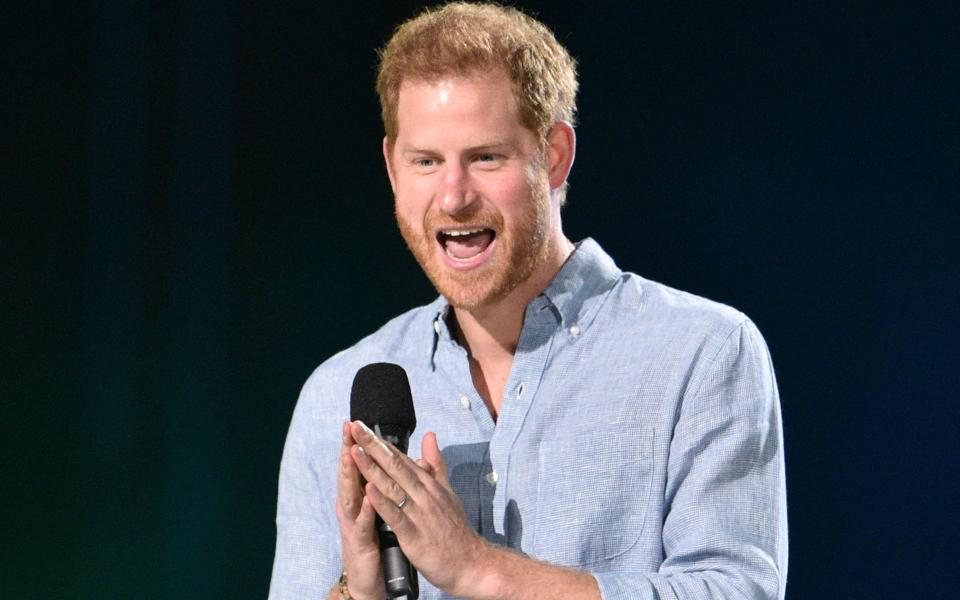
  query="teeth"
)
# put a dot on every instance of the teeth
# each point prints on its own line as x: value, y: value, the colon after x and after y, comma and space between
x: 461, y: 233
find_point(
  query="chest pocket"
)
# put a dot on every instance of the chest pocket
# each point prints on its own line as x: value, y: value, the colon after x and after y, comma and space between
x: 592, y: 495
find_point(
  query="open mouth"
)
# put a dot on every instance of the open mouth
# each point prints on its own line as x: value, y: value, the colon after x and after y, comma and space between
x: 465, y: 244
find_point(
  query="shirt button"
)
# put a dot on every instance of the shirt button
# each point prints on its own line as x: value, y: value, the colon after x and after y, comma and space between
x: 492, y: 477
x: 575, y: 330
x: 436, y: 326
x: 465, y: 402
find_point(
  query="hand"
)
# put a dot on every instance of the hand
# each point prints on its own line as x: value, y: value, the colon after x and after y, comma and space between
x: 432, y: 530
x: 358, y: 534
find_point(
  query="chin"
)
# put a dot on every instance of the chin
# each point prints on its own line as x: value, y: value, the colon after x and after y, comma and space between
x: 468, y: 295
x: 470, y: 291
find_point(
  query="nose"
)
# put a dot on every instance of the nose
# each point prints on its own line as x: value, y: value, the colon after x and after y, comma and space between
x: 456, y: 195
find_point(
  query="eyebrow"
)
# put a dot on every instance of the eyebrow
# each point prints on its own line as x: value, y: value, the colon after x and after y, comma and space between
x: 489, y: 145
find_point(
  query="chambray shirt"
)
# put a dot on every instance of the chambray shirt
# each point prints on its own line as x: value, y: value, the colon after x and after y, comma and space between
x: 639, y: 440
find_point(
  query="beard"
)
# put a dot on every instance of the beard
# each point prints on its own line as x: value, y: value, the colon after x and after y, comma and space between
x: 521, y: 247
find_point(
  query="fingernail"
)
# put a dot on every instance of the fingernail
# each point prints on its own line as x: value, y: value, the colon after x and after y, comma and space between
x: 366, y: 429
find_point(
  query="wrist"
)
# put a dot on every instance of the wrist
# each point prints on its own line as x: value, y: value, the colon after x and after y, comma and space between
x: 486, y: 573
x: 343, y: 591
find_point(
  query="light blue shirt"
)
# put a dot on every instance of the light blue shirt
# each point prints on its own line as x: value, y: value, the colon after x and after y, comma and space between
x: 639, y: 440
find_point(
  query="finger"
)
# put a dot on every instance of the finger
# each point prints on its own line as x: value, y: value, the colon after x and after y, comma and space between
x: 366, y: 437
x: 430, y: 451
x: 424, y: 465
x: 349, y: 484
x: 388, y: 510
x: 362, y: 531
x: 366, y: 521
x: 374, y: 475
x: 349, y: 487
x: 346, y: 439
x: 395, y: 464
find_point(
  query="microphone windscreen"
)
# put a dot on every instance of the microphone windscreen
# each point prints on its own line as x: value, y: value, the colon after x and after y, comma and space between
x: 381, y: 396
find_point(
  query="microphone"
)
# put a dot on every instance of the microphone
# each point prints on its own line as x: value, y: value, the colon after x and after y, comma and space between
x: 381, y: 398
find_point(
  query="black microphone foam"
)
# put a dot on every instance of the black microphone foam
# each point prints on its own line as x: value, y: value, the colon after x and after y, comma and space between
x: 381, y: 397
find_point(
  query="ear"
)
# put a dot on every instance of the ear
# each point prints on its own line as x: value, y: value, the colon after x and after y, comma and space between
x: 386, y: 159
x: 561, y: 150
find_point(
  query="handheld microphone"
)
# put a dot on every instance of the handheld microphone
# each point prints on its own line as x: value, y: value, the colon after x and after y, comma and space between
x: 381, y: 398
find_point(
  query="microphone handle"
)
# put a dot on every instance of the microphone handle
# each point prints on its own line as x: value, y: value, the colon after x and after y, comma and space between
x: 399, y: 576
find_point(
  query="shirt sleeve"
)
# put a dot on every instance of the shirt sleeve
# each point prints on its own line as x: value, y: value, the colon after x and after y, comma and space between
x: 307, y: 560
x: 725, y: 522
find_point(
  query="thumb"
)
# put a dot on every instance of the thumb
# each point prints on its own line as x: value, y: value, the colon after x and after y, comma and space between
x: 430, y: 452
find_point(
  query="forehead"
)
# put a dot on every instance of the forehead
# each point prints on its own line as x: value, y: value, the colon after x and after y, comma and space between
x: 476, y: 99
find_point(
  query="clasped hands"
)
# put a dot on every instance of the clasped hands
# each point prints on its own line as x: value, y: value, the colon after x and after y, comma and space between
x: 416, y: 500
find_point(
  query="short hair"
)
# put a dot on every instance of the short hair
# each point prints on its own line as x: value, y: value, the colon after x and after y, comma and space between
x: 462, y: 38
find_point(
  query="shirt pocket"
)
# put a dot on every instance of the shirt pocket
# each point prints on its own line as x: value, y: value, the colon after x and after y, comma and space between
x: 592, y: 495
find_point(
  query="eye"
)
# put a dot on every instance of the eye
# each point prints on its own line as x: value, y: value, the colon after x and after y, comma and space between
x: 424, y: 163
x: 488, y: 160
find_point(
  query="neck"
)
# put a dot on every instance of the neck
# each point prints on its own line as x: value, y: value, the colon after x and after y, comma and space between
x: 491, y: 332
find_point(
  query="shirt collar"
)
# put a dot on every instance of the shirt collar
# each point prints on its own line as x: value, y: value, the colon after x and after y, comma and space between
x: 575, y: 293
x: 582, y: 283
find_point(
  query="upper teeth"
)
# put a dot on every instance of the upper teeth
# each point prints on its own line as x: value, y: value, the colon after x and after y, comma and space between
x: 460, y: 233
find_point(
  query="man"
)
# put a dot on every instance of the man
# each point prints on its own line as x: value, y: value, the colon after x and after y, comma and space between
x: 582, y: 432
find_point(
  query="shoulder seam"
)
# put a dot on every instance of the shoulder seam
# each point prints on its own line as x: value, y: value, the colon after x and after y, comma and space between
x: 713, y: 359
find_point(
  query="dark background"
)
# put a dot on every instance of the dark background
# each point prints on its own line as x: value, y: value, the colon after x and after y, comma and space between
x: 195, y: 215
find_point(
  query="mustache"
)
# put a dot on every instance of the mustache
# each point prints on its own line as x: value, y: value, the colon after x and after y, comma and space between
x: 481, y: 217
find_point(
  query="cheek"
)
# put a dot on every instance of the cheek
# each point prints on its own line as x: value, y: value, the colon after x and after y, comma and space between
x: 514, y: 197
x: 409, y: 204
x: 413, y: 196
x: 411, y: 182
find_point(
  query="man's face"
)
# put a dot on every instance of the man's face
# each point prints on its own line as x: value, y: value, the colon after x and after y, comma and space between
x: 472, y: 195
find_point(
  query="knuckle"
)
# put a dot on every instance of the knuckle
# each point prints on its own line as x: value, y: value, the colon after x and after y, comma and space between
x: 395, y: 490
x: 395, y: 462
x: 431, y: 486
